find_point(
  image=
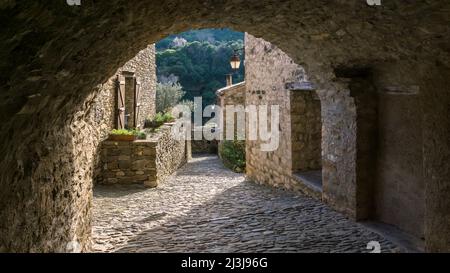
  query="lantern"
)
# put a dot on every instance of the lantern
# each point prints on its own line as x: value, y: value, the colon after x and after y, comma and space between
x: 235, y: 61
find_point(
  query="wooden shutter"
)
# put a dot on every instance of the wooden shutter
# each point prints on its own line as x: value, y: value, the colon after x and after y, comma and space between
x: 137, y: 102
x: 121, y: 102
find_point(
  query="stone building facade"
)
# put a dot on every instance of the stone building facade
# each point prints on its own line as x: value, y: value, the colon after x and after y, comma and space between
x: 147, y: 161
x: 267, y: 71
x: 140, y: 69
x: 232, y: 95
x: 104, y: 110
x: 359, y: 149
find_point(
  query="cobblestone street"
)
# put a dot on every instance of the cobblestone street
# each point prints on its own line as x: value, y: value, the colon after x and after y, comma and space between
x: 207, y: 208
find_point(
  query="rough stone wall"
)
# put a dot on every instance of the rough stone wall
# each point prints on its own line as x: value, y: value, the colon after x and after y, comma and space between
x: 49, y: 68
x: 306, y: 131
x: 204, y: 146
x: 400, y: 181
x: 233, y: 95
x: 171, y: 153
x: 53, y: 177
x: 367, y: 168
x: 364, y: 93
x: 339, y: 147
x: 104, y: 107
x: 73, y: 139
x: 434, y: 82
x: 267, y: 69
x: 201, y: 146
x: 128, y: 162
x: 143, y: 65
x: 147, y: 162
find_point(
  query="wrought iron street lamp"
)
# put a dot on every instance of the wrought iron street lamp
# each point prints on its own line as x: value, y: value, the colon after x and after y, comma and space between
x: 235, y: 61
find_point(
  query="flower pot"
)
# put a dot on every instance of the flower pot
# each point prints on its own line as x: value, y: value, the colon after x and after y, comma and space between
x: 122, y: 137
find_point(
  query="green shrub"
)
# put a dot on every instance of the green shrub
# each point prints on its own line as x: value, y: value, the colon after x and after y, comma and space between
x: 123, y: 132
x: 141, y: 135
x: 232, y: 153
x: 158, y: 120
x: 168, y: 95
x: 167, y: 117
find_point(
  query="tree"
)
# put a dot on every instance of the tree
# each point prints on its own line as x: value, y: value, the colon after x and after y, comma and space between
x: 202, y: 63
x: 168, y: 95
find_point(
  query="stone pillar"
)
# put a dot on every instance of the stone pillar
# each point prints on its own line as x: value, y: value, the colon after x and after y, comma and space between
x: 436, y: 107
x: 365, y: 97
x: 188, y: 150
x: 229, y: 79
x: 338, y: 147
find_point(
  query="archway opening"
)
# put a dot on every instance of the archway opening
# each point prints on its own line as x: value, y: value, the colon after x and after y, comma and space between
x: 50, y: 69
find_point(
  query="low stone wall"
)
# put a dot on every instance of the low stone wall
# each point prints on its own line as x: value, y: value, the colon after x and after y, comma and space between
x: 148, y: 162
x: 204, y: 146
x: 171, y: 154
x: 127, y: 162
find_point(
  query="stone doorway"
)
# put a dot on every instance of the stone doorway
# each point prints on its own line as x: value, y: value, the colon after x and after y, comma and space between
x: 306, y: 138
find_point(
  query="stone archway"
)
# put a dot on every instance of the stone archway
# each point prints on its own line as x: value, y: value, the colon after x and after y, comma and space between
x: 53, y: 55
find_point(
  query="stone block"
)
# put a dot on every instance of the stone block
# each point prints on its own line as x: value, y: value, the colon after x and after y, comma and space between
x: 124, y: 164
x: 139, y: 164
x: 124, y: 157
x: 112, y: 165
x: 112, y: 180
x: 151, y: 183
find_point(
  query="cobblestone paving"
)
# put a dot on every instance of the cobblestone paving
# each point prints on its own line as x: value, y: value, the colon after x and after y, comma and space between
x: 207, y: 208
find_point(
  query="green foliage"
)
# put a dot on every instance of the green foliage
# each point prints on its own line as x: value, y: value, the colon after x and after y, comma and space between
x: 168, y: 117
x: 168, y: 95
x: 158, y: 120
x: 202, y: 63
x: 189, y: 104
x: 141, y: 135
x: 122, y: 132
x: 232, y: 153
x: 126, y: 132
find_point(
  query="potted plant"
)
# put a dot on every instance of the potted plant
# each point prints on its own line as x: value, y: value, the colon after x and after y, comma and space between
x: 122, y: 135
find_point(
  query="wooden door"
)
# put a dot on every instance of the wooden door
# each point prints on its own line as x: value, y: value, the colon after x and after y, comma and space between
x: 137, y: 103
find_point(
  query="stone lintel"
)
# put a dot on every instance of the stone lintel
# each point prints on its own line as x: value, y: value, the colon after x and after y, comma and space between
x: 401, y: 90
x: 300, y: 86
x: 128, y: 74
